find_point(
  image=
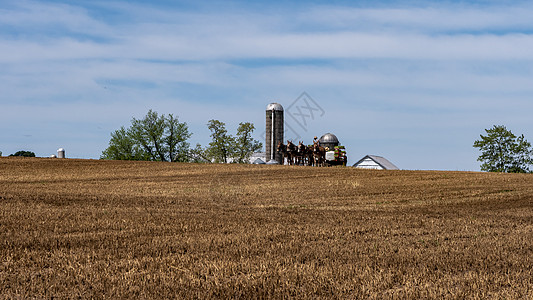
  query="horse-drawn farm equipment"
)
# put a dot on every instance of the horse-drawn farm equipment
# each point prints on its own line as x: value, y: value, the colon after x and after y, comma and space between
x: 323, y: 152
x: 337, y: 157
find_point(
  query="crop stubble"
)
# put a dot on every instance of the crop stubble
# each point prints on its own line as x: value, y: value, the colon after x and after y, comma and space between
x: 142, y: 229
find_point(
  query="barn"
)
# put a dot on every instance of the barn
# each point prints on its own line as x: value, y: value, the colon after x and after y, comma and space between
x: 375, y: 162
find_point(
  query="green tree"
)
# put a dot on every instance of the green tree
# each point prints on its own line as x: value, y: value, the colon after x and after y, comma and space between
x: 123, y: 147
x: 155, y: 137
x: 198, y: 155
x: 244, y: 144
x: 23, y: 154
x: 502, y: 151
x: 220, y: 149
x: 176, y: 138
x: 225, y: 148
x: 148, y: 133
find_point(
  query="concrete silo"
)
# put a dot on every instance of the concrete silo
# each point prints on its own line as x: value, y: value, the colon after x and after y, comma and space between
x: 274, y: 131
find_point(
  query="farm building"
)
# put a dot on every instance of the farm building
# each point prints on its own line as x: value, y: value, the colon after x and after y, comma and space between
x: 258, y: 162
x: 258, y: 158
x: 375, y: 162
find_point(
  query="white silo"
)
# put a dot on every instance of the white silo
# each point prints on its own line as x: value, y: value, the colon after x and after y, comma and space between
x: 60, y: 153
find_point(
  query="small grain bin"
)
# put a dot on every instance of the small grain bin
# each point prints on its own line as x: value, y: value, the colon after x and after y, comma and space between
x: 60, y: 153
x: 329, y: 140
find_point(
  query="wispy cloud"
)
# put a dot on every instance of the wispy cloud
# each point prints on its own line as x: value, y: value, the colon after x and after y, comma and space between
x: 415, y: 33
x: 443, y: 17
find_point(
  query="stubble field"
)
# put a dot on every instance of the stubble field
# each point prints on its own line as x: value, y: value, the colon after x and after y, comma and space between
x: 111, y: 229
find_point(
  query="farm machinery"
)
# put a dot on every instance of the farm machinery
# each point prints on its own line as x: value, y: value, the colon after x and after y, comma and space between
x: 336, y: 157
x: 325, y: 151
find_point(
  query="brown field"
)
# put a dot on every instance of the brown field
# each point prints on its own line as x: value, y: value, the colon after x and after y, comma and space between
x: 110, y: 229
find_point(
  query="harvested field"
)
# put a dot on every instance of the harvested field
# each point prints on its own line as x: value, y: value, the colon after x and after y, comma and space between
x: 111, y: 229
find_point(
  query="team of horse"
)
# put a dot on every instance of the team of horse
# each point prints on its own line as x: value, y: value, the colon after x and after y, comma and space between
x: 313, y: 155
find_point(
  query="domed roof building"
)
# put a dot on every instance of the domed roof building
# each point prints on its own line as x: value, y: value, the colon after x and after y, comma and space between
x: 329, y: 140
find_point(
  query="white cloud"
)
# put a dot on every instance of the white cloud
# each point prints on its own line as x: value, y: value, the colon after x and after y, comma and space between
x: 432, y: 17
x: 35, y: 18
x: 226, y: 35
x: 283, y: 46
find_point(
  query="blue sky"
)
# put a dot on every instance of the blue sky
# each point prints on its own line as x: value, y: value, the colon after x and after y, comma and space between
x: 413, y: 81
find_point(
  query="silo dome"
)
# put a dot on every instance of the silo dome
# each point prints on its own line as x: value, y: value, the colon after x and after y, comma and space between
x: 329, y: 141
x: 329, y: 138
x: 275, y: 106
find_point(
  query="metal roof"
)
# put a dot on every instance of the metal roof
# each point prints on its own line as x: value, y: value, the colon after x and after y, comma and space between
x: 329, y: 138
x: 274, y: 106
x: 258, y: 162
x: 382, y: 161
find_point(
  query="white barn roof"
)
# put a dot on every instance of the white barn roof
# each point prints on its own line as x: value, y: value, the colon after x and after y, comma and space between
x: 375, y: 162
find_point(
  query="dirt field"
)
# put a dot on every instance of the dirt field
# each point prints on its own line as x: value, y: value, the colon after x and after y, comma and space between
x: 105, y: 229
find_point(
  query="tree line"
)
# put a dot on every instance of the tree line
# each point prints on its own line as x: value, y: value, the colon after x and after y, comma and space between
x: 22, y: 153
x: 164, y: 138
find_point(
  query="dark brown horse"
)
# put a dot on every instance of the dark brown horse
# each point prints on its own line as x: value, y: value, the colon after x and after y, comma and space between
x: 292, y: 150
x: 319, y: 154
x: 303, y: 154
x: 282, y: 148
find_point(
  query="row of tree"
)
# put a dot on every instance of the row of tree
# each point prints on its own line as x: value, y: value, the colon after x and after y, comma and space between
x: 21, y: 153
x: 164, y: 138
